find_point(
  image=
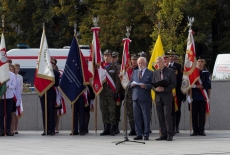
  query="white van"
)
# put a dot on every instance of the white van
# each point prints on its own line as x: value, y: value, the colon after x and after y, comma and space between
x: 221, y: 70
x: 27, y: 58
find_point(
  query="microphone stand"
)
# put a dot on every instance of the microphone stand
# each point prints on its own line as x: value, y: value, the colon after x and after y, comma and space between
x: 126, y: 139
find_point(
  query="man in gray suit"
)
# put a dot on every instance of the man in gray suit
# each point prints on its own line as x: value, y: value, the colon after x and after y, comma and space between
x: 164, y: 99
x: 141, y: 96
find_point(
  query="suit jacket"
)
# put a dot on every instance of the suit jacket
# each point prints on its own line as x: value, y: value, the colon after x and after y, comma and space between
x: 138, y: 93
x: 179, y: 77
x: 169, y: 75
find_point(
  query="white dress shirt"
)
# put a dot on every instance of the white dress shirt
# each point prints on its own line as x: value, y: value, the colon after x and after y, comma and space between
x: 21, y: 81
x: 10, y: 84
x: 17, y: 92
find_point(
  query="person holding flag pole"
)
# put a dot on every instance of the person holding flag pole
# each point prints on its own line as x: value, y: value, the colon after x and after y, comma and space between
x: 95, y: 68
x: 195, y: 83
x: 73, y: 84
x: 7, y: 86
x: 46, y: 79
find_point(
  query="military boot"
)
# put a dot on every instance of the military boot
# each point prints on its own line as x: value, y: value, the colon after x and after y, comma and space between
x: 113, y: 130
x: 105, y: 132
x: 117, y: 129
x: 132, y: 131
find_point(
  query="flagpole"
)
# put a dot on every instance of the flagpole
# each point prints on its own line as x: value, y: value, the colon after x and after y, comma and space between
x: 46, y: 113
x: 3, y: 26
x: 95, y: 23
x: 191, y: 20
x: 72, y: 124
x: 95, y: 115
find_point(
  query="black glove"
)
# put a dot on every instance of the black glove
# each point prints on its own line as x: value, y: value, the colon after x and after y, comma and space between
x: 115, y: 96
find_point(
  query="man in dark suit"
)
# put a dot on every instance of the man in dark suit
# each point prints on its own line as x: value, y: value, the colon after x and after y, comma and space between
x: 51, y: 101
x: 179, y: 94
x: 164, y: 99
x: 141, y: 96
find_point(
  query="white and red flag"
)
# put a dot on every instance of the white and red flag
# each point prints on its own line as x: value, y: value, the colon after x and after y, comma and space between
x: 44, y: 77
x: 126, y: 68
x: 191, y: 73
x: 4, y: 66
x: 95, y: 62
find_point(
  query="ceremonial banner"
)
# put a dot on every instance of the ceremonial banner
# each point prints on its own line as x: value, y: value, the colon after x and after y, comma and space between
x: 191, y: 72
x: 44, y: 78
x: 4, y: 66
x: 72, y: 83
x: 157, y: 52
x: 95, y: 63
x: 126, y: 68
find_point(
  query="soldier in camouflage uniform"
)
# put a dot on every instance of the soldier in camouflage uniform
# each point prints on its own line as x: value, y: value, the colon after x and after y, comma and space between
x: 108, y: 97
x: 134, y: 58
x: 121, y: 93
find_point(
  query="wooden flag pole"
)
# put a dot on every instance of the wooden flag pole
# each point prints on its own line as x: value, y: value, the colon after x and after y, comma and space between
x: 5, y: 113
x: 72, y: 124
x: 95, y: 115
x: 125, y: 111
x: 46, y: 124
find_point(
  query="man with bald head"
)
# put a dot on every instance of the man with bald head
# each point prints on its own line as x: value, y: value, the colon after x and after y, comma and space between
x: 141, y: 96
x: 164, y: 99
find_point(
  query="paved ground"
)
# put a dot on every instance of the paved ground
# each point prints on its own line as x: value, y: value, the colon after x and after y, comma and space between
x: 32, y: 143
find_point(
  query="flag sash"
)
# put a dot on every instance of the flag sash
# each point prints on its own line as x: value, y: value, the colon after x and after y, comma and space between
x: 205, y: 95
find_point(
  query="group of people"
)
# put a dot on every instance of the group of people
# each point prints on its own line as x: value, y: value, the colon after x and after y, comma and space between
x: 137, y: 96
x: 11, y: 103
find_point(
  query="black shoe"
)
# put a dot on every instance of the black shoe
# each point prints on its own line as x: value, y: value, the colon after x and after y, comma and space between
x: 146, y: 138
x: 2, y: 133
x: 137, y: 138
x: 177, y: 131
x: 162, y: 138
x: 44, y: 133
x: 194, y: 134
x: 74, y: 133
x: 202, y: 133
x: 82, y: 133
x: 9, y: 133
x: 170, y: 138
x: 132, y: 133
x: 16, y: 132
x: 52, y: 133
x: 150, y: 131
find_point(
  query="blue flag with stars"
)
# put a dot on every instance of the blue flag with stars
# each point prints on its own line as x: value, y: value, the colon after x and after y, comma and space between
x: 72, y: 82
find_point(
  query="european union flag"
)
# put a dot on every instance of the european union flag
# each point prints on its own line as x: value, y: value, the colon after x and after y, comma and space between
x: 72, y: 80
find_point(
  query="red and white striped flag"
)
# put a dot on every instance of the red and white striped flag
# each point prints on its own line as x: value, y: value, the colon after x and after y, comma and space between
x: 126, y: 68
x: 191, y: 73
x: 44, y: 78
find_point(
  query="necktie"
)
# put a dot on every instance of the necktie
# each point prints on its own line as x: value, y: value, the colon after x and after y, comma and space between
x: 162, y: 75
x: 140, y: 76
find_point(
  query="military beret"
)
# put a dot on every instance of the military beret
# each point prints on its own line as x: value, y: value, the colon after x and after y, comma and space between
x: 134, y: 57
x: 107, y: 52
x: 115, y: 54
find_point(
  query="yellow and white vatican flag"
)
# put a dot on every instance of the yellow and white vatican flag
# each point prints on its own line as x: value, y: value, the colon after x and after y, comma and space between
x: 158, y: 51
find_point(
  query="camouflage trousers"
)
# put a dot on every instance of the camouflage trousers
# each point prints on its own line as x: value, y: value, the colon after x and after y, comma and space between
x: 108, y: 110
x: 118, y: 113
x: 130, y: 109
